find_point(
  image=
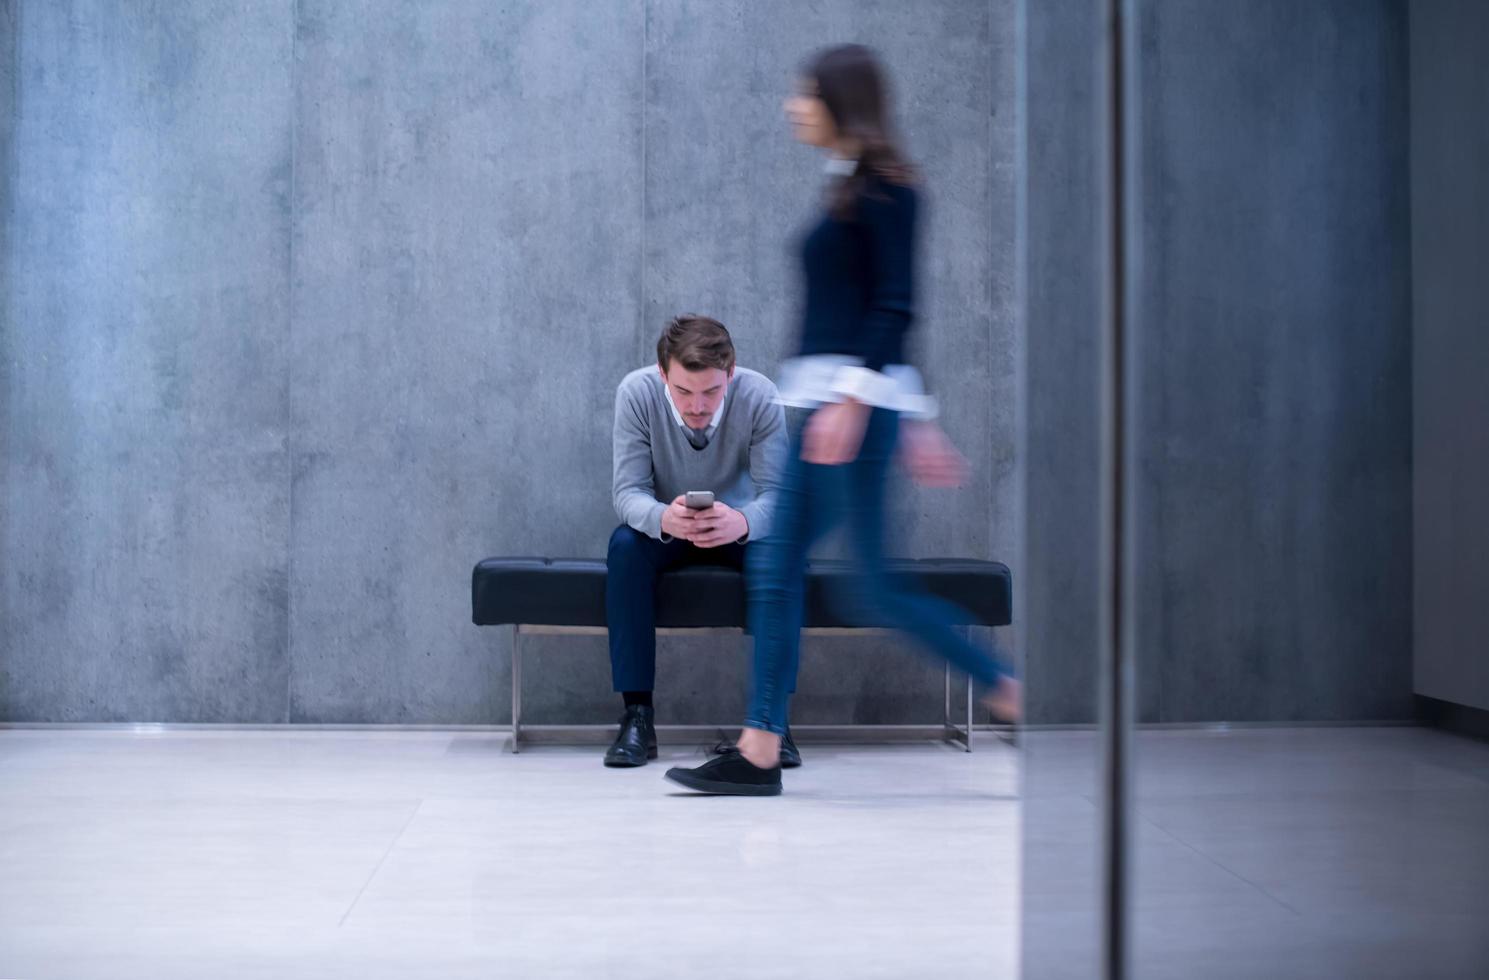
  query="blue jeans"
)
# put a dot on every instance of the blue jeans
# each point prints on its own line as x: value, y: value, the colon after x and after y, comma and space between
x: 633, y: 565
x: 813, y: 500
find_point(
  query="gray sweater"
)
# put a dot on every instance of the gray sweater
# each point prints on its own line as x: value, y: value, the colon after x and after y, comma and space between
x: 655, y: 463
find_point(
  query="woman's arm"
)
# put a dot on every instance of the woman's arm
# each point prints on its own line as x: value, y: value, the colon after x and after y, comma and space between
x: 887, y: 219
x: 890, y: 222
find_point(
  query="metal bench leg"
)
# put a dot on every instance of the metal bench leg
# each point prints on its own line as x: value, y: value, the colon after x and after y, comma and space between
x: 946, y: 709
x: 516, y: 689
x: 954, y: 733
x: 967, y: 743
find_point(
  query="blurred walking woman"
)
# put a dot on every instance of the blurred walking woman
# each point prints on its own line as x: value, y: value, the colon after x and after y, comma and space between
x: 858, y: 259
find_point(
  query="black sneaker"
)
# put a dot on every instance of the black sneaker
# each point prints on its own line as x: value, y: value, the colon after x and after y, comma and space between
x: 637, y: 740
x: 730, y: 774
x: 790, y: 754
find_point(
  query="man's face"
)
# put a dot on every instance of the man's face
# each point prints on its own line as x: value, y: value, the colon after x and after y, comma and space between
x: 697, y: 394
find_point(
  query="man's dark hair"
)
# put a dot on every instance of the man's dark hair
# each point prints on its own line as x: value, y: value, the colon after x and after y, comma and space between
x: 697, y: 343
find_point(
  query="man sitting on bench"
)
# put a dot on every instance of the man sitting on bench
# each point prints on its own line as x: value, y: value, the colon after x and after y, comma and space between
x: 691, y: 422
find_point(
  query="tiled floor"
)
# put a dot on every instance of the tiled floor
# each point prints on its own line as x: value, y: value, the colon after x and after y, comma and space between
x: 1272, y: 853
x: 1280, y: 853
x: 225, y: 854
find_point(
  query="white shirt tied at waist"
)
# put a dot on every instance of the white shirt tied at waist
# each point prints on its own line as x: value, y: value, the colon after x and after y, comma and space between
x: 809, y: 381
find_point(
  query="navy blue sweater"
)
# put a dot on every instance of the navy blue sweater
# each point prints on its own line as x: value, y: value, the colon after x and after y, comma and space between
x: 860, y: 278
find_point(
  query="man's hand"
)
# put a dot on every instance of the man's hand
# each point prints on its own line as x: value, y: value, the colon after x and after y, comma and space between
x: 834, y: 433
x: 718, y: 525
x: 679, y: 521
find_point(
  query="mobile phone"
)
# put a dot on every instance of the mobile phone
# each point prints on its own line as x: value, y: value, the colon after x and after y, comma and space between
x: 699, y: 499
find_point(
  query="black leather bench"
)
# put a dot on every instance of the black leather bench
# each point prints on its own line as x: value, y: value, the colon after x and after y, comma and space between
x: 567, y: 596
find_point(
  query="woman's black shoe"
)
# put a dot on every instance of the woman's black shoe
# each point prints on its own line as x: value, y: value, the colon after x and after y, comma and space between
x: 730, y: 774
x: 790, y: 754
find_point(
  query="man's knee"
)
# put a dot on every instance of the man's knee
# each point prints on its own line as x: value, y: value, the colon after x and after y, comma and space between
x: 627, y: 546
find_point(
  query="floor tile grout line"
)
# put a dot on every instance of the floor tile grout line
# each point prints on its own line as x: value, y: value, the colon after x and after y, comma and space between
x: 1233, y: 873
x: 380, y: 862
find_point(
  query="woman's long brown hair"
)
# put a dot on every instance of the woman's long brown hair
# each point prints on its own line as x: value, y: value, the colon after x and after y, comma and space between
x: 852, y: 85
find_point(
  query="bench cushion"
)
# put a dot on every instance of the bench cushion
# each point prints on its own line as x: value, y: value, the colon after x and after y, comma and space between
x: 571, y: 592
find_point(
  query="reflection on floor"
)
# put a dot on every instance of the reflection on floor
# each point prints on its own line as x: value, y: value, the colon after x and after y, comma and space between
x: 224, y: 854
x: 1358, y: 853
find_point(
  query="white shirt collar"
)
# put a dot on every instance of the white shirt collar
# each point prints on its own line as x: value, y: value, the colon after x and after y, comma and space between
x: 713, y: 423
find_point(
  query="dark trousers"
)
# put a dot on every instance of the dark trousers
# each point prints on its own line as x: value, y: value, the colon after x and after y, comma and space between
x: 634, y: 564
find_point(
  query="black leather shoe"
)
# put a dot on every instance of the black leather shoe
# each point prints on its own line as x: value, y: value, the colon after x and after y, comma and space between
x: 636, y: 741
x: 790, y: 754
x: 730, y: 774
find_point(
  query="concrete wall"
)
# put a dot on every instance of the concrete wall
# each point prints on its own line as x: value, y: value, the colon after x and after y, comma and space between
x: 1450, y: 346
x: 1062, y: 456
x: 314, y: 304
x: 292, y: 292
x: 1275, y: 493
x: 8, y: 11
x: 146, y: 356
x: 1275, y: 416
x: 7, y: 171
